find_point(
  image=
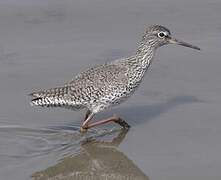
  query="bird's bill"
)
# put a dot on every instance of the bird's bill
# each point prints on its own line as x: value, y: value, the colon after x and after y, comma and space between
x: 182, y: 43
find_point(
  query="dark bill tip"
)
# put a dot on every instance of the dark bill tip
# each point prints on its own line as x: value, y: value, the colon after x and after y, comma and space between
x: 182, y: 43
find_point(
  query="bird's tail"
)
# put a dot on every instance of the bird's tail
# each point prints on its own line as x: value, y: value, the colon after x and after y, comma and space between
x: 51, y: 97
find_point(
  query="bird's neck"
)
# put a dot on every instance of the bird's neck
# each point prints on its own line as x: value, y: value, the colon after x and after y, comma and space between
x: 145, y: 54
x: 139, y: 63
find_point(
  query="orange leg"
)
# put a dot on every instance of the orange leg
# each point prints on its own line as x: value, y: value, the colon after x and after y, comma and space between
x: 87, y: 114
x: 114, y: 119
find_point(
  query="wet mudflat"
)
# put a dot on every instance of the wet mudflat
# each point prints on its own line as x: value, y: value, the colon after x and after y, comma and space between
x: 175, y: 115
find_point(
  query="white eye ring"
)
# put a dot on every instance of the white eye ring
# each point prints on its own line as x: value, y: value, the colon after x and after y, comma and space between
x: 161, y: 34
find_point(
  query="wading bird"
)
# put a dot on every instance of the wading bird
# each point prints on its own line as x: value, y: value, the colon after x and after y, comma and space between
x: 106, y: 85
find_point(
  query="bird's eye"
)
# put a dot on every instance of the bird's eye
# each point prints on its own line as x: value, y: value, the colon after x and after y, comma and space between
x: 161, y: 34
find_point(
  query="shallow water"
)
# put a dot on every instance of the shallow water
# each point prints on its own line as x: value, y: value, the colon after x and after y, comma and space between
x: 175, y: 115
x: 76, y: 155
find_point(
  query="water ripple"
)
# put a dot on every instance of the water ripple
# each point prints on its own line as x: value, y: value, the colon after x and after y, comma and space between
x: 24, y: 142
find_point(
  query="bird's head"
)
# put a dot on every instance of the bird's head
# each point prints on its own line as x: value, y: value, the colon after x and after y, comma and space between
x: 157, y: 35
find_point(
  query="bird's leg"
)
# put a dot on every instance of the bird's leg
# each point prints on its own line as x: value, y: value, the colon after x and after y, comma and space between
x: 114, y: 118
x: 87, y: 114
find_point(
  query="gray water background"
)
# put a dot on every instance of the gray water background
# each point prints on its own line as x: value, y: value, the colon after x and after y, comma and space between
x: 175, y: 115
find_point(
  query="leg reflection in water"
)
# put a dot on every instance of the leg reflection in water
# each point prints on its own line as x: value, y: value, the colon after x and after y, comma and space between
x: 98, y: 160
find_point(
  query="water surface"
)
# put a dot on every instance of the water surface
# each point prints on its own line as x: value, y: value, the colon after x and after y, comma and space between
x: 175, y: 115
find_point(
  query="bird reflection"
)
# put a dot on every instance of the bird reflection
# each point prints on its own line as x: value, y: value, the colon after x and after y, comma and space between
x: 97, y: 160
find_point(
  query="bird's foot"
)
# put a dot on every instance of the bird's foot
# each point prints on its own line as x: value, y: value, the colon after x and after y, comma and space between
x: 121, y: 122
x: 83, y: 129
